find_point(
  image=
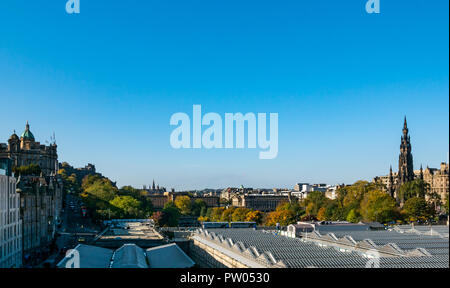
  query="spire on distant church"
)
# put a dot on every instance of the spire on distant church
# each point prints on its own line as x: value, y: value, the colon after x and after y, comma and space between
x: 390, y: 186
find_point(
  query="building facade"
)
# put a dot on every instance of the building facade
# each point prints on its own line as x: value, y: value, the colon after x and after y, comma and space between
x: 264, y: 203
x: 436, y: 178
x: 161, y: 199
x: 40, y: 195
x: 10, y: 224
x: 158, y: 201
x: 25, y: 150
x: 302, y: 190
x: 40, y: 209
x: 230, y: 192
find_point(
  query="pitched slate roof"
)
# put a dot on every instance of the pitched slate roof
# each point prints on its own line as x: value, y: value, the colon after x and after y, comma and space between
x: 90, y: 257
x: 273, y: 250
x: 168, y: 256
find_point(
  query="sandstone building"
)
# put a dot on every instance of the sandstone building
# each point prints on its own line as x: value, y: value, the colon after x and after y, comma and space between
x: 437, y: 179
x: 41, y: 195
x: 262, y: 203
x: 160, y: 199
x: 40, y: 209
x: 25, y: 150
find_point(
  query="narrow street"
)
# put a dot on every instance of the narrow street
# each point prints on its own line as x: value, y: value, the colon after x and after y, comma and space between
x: 74, y: 229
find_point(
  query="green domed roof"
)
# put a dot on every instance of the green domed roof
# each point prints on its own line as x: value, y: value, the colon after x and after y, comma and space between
x: 27, y: 135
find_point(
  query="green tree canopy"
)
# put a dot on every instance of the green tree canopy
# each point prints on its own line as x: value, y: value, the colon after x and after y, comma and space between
x: 198, y: 207
x: 349, y: 198
x: 254, y: 216
x: 353, y: 216
x: 411, y: 189
x: 101, y: 190
x: 127, y: 207
x: 284, y: 218
x: 171, y: 214
x: 446, y: 204
x: 170, y: 204
x: 239, y: 214
x: 216, y: 214
x: 417, y: 209
x: 332, y: 211
x: 294, y: 206
x: 183, y: 203
x: 434, y: 199
x: 314, y: 201
x: 378, y: 206
x: 227, y: 214
x: 141, y: 195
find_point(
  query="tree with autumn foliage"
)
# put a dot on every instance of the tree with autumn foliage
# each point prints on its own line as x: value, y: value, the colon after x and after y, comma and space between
x: 184, y: 204
x: 157, y: 217
x: 216, y: 213
x: 203, y: 219
x: 314, y: 201
x: 239, y: 214
x: 321, y: 215
x: 283, y: 217
x: 378, y: 206
x: 254, y: 216
x: 227, y: 214
x: 417, y: 209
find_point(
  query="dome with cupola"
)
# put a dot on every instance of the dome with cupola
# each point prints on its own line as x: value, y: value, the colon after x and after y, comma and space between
x: 27, y: 135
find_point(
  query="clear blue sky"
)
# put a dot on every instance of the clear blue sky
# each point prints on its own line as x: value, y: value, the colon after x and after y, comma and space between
x: 106, y: 82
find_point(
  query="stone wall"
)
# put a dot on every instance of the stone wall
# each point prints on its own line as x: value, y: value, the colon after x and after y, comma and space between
x: 207, y: 257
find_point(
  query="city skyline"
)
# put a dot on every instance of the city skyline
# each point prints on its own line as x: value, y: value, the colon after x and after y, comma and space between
x: 52, y: 141
x: 341, y: 81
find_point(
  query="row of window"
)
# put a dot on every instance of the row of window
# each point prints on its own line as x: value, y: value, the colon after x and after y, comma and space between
x: 13, y: 261
x: 7, y: 233
x: 10, y: 247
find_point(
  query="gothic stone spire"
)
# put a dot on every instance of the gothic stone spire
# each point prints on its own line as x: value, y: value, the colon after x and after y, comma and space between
x: 405, y: 162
